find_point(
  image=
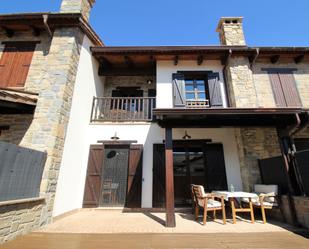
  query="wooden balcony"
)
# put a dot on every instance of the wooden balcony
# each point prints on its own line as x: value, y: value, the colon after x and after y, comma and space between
x: 122, y: 109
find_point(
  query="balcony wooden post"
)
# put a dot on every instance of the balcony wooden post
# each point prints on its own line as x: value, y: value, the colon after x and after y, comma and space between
x: 169, y: 178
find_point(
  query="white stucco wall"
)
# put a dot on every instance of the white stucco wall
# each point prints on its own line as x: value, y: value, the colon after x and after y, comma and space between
x: 165, y: 69
x: 72, y: 171
x: 81, y: 134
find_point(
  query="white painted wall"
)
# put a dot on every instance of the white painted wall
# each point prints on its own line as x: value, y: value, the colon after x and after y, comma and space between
x: 165, y: 69
x: 81, y: 134
x: 72, y: 171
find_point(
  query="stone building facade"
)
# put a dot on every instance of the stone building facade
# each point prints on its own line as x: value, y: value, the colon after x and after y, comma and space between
x: 52, y: 75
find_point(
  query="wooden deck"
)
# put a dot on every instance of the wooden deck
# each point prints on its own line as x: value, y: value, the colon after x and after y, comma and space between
x: 272, y: 240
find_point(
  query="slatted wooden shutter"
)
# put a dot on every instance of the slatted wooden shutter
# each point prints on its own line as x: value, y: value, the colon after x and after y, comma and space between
x: 277, y: 90
x: 15, y: 63
x: 284, y: 88
x: 179, y: 92
x: 94, y: 176
x: 215, y: 167
x: 214, y: 89
x: 289, y: 88
x: 135, y: 174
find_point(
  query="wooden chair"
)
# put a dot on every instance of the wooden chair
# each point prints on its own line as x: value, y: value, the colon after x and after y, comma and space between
x: 267, y: 198
x: 208, y: 202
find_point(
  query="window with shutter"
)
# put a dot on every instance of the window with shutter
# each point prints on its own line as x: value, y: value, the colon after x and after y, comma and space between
x: 284, y: 88
x: 15, y: 63
x: 197, y: 89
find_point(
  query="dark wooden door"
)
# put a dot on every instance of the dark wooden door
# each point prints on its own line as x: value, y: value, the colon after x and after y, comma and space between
x: 215, y: 167
x: 94, y: 175
x: 158, y: 189
x: 114, y: 175
x: 15, y: 63
x: 206, y: 168
x: 135, y: 175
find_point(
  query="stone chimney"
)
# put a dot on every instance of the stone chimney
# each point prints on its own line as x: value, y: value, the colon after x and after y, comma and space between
x: 231, y: 31
x: 77, y: 6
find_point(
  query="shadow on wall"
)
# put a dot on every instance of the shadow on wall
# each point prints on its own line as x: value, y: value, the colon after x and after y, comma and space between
x: 18, y: 126
x: 155, y: 135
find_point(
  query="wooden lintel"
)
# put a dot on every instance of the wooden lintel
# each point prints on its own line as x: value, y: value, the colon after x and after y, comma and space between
x: 274, y: 59
x: 35, y: 31
x: 200, y: 60
x: 299, y: 59
x: 176, y: 58
x: 135, y: 71
x: 253, y: 58
x: 169, y: 178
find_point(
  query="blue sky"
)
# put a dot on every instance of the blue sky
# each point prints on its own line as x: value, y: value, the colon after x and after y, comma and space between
x: 187, y: 22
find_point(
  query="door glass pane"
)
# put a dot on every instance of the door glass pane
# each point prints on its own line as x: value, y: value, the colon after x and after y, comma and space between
x: 115, y: 175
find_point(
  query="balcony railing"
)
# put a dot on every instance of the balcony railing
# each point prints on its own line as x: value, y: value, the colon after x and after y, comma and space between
x: 121, y: 109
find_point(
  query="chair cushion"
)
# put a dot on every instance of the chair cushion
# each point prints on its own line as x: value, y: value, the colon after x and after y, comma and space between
x: 263, y: 188
x: 210, y: 203
x: 256, y: 202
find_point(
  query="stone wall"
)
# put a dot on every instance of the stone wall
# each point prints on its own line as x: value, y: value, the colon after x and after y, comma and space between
x: 48, y: 129
x: 18, y: 126
x: 112, y: 82
x: 242, y: 92
x: 52, y: 74
x: 18, y: 218
x: 254, y: 144
x: 79, y: 6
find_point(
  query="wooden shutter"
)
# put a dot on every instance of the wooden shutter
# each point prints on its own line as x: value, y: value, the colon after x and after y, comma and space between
x: 215, y: 167
x: 179, y: 92
x: 15, y: 63
x: 289, y: 89
x: 277, y: 90
x: 284, y: 88
x: 135, y: 175
x: 94, y: 176
x: 158, y: 189
x: 214, y: 89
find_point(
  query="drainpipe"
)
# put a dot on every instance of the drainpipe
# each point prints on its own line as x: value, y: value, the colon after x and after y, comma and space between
x: 45, y: 21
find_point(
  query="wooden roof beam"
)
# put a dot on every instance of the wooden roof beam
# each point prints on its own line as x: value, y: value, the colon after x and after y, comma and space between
x: 128, y: 61
x: 225, y: 59
x: 274, y: 59
x: 9, y: 32
x: 176, y: 59
x: 299, y: 58
x: 200, y: 60
x: 253, y: 58
x: 35, y: 30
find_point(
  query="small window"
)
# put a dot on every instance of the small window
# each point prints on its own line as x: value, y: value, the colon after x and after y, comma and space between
x: 196, y: 89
